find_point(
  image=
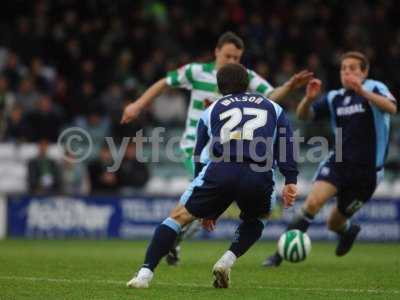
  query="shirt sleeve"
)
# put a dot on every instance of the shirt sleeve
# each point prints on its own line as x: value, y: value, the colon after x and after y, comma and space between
x: 321, y: 108
x: 202, y: 139
x: 284, y: 150
x: 182, y: 77
x: 258, y: 84
x: 381, y: 89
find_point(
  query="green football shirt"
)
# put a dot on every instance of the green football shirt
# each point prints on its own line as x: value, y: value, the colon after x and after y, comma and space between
x: 201, y: 80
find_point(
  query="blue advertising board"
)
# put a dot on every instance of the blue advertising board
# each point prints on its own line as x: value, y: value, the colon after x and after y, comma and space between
x: 136, y: 217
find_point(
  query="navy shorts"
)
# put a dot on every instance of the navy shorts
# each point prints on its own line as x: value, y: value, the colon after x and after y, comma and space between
x: 220, y: 184
x: 355, y: 183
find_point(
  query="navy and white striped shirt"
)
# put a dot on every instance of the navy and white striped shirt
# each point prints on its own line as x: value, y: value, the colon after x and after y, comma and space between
x: 252, y: 128
x: 365, y: 128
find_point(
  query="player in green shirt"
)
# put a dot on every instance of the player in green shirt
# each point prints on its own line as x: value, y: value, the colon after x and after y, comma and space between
x: 200, y: 79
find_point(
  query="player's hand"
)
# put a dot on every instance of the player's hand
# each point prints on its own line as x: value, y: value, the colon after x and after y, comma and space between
x: 354, y: 83
x: 300, y: 79
x: 289, y: 194
x: 131, y: 112
x: 208, y: 224
x: 313, y: 89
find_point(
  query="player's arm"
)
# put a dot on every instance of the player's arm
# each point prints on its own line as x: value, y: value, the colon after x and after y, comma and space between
x: 181, y: 78
x: 304, y: 110
x: 259, y: 84
x: 132, y: 111
x: 284, y: 156
x: 202, y: 139
x: 285, y: 159
x: 298, y: 80
x: 385, y: 101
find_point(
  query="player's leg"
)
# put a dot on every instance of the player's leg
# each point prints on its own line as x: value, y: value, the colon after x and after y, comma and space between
x: 254, y: 197
x: 163, y: 240
x: 360, y: 186
x: 173, y: 256
x: 336, y: 221
x: 346, y: 230
x: 247, y: 233
x: 188, y: 161
x: 215, y: 195
x: 320, y: 193
x: 206, y: 197
x: 189, y: 230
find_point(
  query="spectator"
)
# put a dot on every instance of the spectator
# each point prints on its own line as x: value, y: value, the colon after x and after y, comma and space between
x: 13, y: 70
x: 42, y: 76
x: 88, y: 71
x: 43, y: 172
x: 27, y: 96
x: 45, y: 122
x: 17, y: 127
x: 118, y: 130
x: 75, y: 177
x: 112, y: 98
x: 132, y: 174
x: 86, y: 100
x: 7, y: 100
x: 123, y: 68
x: 102, y: 181
x: 97, y: 126
x: 90, y: 67
x: 62, y: 98
x: 288, y: 68
x: 314, y: 65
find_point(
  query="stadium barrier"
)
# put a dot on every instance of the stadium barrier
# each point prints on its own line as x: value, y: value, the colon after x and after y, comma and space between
x: 136, y: 218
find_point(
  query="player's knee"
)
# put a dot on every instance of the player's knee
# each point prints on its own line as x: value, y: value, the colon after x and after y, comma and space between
x: 330, y: 224
x: 259, y: 228
x: 263, y: 219
x: 181, y: 215
x: 335, y: 222
x: 255, y: 226
x: 313, y: 204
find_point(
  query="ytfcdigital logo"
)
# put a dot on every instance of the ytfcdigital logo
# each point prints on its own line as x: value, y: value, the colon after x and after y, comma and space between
x: 77, y: 145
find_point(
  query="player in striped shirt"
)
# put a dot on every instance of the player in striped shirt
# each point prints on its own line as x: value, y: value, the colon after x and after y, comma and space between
x: 244, y: 175
x: 361, y: 110
x: 200, y: 79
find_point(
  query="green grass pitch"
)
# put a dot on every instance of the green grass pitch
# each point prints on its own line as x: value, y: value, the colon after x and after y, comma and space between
x: 40, y: 269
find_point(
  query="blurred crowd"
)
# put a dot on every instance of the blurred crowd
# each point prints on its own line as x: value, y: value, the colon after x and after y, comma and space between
x: 70, y: 62
x: 47, y: 176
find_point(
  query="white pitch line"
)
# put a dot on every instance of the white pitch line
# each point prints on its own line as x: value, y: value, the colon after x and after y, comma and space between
x: 119, y: 282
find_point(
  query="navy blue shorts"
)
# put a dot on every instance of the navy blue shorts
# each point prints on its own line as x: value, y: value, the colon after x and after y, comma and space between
x: 220, y: 184
x: 355, y: 184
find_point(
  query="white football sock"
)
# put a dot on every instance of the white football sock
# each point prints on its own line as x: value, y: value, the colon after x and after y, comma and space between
x: 145, y: 273
x: 228, y: 259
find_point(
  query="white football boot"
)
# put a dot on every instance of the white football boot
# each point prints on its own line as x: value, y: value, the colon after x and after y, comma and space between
x: 141, y: 280
x: 222, y: 270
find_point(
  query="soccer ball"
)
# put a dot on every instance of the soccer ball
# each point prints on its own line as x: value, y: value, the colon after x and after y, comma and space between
x: 294, y: 246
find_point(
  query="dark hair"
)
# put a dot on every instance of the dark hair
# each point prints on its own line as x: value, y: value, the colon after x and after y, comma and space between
x: 364, y: 62
x: 232, y: 79
x: 230, y: 38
